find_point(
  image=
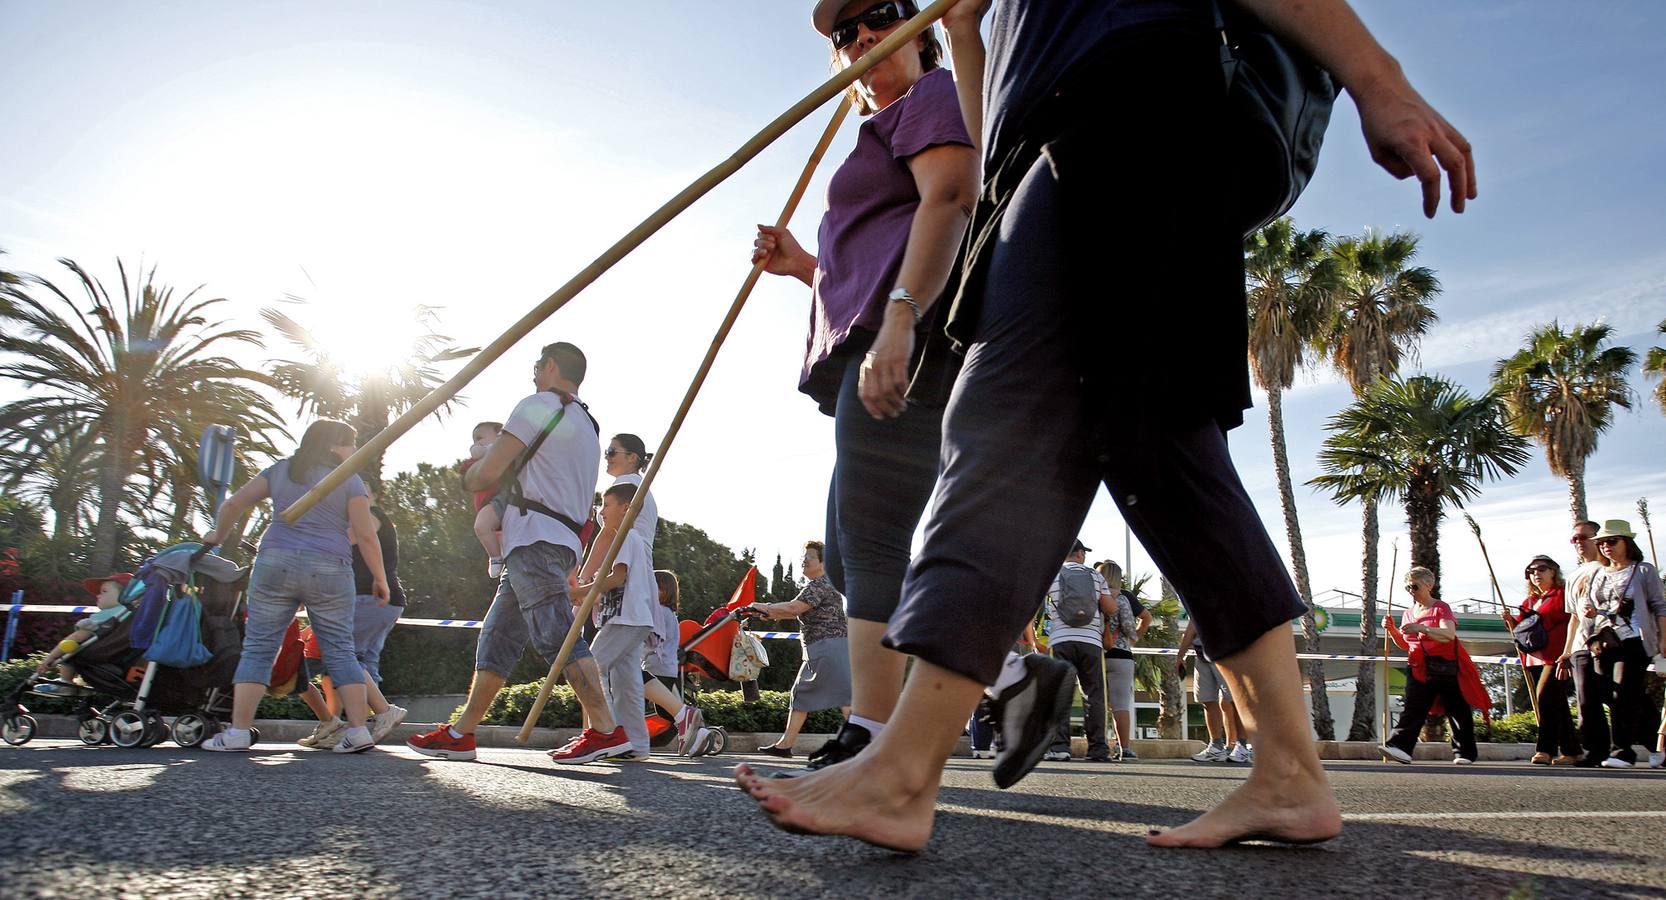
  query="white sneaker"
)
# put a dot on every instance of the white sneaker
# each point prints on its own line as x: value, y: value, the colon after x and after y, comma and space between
x: 704, y: 739
x: 1657, y: 759
x: 354, y: 740
x: 1212, y: 753
x: 1241, y: 754
x: 225, y: 743
x: 1395, y: 753
x: 1462, y: 761
x: 383, y: 723
x: 1614, y: 762
x: 1057, y: 756
x: 494, y: 568
x: 324, y: 735
x: 982, y: 754
x: 689, y: 724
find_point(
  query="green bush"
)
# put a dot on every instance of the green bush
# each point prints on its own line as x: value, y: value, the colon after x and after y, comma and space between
x: 1520, y: 728
x: 723, y: 709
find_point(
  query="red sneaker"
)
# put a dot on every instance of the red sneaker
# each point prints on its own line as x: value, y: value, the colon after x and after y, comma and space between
x: 439, y: 743
x: 593, y: 745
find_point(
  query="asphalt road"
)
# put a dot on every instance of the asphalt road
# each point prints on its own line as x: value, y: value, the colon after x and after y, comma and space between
x: 78, y: 822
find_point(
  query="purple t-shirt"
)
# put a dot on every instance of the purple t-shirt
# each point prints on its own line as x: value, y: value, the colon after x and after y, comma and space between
x: 870, y: 207
x: 324, y: 528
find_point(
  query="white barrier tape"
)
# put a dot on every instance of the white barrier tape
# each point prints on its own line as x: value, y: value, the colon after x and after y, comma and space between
x: 793, y: 636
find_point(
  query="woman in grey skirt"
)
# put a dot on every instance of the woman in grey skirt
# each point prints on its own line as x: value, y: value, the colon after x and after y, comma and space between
x: 824, y: 678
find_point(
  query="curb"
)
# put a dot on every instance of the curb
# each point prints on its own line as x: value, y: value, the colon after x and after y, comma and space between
x: 503, y: 737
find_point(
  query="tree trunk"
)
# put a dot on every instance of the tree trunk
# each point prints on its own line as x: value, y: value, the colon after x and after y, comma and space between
x: 1364, y: 724
x: 112, y: 482
x: 1576, y: 491
x: 1423, y: 515
x: 1174, y: 690
x: 1322, y: 722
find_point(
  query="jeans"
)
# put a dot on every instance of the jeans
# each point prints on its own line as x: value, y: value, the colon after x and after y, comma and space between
x: 531, y: 603
x: 1419, y: 696
x: 1089, y: 662
x: 371, y: 626
x: 283, y: 581
x: 1557, y: 733
x: 618, y: 650
x: 882, y: 479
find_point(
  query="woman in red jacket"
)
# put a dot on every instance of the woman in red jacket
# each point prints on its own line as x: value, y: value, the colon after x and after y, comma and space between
x: 1428, y: 632
x: 1558, y: 738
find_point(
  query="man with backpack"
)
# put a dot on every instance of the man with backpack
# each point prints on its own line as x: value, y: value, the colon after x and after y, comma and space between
x: 551, y: 449
x: 1077, y: 605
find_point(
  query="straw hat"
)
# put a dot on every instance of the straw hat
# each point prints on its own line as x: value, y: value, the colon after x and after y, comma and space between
x: 1615, y: 528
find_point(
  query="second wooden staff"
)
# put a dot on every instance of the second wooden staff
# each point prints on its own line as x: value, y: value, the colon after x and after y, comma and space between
x: 671, y: 433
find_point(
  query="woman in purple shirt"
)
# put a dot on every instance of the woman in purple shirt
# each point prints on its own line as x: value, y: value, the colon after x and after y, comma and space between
x: 304, y: 563
x: 896, y: 209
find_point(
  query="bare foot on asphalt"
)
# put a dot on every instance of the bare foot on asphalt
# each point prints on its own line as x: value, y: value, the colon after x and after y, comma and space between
x: 850, y: 799
x: 1285, y: 810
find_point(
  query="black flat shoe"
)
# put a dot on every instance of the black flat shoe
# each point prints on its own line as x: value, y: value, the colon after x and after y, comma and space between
x: 850, y: 741
x: 778, y: 752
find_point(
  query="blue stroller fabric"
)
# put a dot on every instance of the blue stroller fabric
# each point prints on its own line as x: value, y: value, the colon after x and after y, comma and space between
x: 178, y: 643
x: 151, y: 604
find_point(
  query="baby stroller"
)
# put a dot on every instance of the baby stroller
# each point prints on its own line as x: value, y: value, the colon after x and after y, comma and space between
x: 707, y: 650
x: 126, y: 695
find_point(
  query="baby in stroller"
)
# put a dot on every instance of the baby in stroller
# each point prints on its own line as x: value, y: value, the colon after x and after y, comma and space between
x: 107, y: 591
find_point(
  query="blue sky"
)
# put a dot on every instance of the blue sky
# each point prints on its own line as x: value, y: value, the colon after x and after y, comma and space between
x: 374, y: 156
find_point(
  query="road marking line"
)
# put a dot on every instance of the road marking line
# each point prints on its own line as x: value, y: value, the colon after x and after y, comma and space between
x: 1511, y: 814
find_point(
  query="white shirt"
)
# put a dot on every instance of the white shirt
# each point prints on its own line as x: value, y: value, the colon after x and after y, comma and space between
x: 647, y: 519
x: 562, y: 475
x: 641, y: 590
x: 1576, y: 598
x: 1092, y: 633
x: 660, y: 658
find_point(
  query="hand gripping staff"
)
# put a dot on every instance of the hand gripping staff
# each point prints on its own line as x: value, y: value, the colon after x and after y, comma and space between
x: 676, y: 426
x: 672, y: 208
x: 1532, y: 689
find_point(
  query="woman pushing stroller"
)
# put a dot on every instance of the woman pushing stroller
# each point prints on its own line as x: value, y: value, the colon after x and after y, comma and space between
x: 306, y: 563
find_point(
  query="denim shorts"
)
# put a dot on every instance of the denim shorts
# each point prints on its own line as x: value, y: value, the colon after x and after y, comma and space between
x: 532, y: 602
x: 281, y: 583
x: 1207, y: 683
x: 371, y: 626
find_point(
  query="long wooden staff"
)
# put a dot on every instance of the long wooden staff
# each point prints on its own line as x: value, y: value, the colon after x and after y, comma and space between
x: 1532, y: 689
x: 1393, y: 569
x: 672, y: 208
x: 1643, y: 513
x: 676, y: 426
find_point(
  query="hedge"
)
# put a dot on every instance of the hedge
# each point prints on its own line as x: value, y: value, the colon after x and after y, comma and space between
x: 725, y: 709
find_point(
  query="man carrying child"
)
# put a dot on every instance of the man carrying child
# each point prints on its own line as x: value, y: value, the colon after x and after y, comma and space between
x: 550, y: 496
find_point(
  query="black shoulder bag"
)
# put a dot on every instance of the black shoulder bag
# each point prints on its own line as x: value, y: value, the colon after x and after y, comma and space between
x: 1606, y: 639
x: 1283, y: 103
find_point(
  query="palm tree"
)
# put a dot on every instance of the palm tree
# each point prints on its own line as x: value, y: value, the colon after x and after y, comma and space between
x: 1423, y: 441
x: 1166, y: 615
x: 1291, y: 279
x: 330, y: 384
x: 1381, y: 311
x: 1561, y: 390
x: 134, y: 369
x: 56, y: 468
x: 1654, y: 364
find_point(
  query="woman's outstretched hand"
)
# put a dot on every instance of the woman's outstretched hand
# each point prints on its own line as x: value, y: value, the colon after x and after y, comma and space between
x: 781, y: 254
x: 1408, y: 137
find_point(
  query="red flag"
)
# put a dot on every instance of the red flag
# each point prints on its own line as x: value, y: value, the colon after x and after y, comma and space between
x: 746, y: 593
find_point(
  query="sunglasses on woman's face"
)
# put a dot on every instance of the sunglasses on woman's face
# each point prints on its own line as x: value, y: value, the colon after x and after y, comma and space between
x: 883, y: 15
x: 1603, y: 542
x: 1534, y: 570
x: 613, y: 451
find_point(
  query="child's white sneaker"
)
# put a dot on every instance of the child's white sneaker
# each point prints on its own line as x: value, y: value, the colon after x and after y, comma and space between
x: 494, y: 567
x: 324, y: 735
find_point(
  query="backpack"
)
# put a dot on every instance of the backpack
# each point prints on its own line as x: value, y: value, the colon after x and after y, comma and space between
x: 1078, y: 600
x: 178, y: 639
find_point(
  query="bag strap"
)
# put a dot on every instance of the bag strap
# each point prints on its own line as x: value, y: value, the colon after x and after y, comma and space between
x: 517, y: 497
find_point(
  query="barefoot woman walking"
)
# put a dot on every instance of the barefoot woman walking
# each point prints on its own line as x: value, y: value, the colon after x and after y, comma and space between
x: 1106, y: 160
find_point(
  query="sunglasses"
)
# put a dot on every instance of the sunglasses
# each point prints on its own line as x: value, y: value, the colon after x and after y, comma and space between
x: 1533, y: 570
x: 883, y: 15
x: 614, y: 451
x: 1608, y: 540
x: 1579, y: 539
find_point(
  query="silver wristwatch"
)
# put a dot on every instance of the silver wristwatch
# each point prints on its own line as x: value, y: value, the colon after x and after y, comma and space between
x: 901, y: 295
